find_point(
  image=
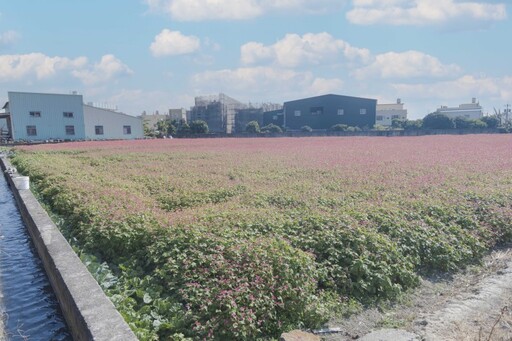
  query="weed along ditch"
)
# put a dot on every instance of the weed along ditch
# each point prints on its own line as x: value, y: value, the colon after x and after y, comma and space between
x: 47, y: 293
x: 28, y: 306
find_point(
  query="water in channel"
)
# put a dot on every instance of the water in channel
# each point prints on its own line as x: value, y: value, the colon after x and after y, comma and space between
x: 28, y: 305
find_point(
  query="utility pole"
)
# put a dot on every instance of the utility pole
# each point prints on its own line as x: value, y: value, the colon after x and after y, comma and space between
x: 507, y: 111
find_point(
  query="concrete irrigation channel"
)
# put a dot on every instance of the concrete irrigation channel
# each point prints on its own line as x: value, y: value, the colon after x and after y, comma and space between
x: 64, y: 300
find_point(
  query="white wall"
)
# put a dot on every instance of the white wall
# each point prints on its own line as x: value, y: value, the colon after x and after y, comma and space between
x: 112, y: 123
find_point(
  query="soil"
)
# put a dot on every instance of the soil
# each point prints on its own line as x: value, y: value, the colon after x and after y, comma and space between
x: 473, y: 304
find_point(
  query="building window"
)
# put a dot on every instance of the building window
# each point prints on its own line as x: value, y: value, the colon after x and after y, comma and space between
x: 362, y: 111
x: 317, y: 110
x: 35, y: 113
x: 98, y: 130
x: 127, y: 130
x: 31, y: 131
x: 67, y: 114
x: 393, y: 117
x: 297, y: 113
x: 379, y: 118
x: 274, y: 117
x: 341, y: 112
x: 70, y: 130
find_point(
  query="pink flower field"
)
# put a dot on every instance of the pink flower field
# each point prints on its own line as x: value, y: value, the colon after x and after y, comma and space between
x: 246, y: 238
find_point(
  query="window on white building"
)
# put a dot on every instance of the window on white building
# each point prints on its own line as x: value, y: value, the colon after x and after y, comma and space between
x: 395, y: 117
x: 341, y: 112
x: 127, y: 130
x: 362, y: 111
x: 379, y: 118
x: 67, y: 114
x: 35, y: 113
x: 98, y: 130
x: 297, y: 113
x: 70, y: 130
x: 31, y: 131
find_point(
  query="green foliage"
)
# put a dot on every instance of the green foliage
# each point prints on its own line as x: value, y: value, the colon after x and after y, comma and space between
x: 184, y: 128
x: 245, y: 244
x: 252, y: 127
x: 339, y: 127
x: 492, y: 122
x: 306, y: 129
x: 438, y: 121
x: 271, y: 128
x: 198, y: 127
x: 465, y: 123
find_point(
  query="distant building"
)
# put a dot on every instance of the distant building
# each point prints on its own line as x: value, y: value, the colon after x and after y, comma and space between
x: 386, y: 113
x: 244, y: 116
x: 151, y: 121
x: 322, y: 112
x: 472, y: 110
x: 218, y: 111
x: 274, y: 117
x: 104, y: 124
x: 178, y: 114
x: 39, y: 117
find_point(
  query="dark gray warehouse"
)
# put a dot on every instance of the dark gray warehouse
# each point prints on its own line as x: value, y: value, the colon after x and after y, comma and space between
x: 322, y: 112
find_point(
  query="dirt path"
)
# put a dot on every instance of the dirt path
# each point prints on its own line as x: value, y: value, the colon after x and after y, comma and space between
x: 475, y: 304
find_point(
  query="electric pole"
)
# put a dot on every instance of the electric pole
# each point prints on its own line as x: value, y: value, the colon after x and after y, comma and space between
x: 507, y: 111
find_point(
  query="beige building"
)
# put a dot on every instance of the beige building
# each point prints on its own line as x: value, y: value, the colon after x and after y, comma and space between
x: 386, y: 113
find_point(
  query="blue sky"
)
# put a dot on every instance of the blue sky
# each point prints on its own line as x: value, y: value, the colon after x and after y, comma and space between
x: 158, y: 54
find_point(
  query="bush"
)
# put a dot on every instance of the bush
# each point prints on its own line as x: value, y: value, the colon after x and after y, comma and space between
x: 199, y: 127
x: 252, y: 127
x: 339, y: 127
x: 465, y: 123
x: 271, y: 128
x: 438, y: 121
x: 306, y: 129
x: 492, y: 122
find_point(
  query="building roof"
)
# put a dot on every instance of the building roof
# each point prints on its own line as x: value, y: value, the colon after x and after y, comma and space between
x: 112, y: 111
x: 330, y: 95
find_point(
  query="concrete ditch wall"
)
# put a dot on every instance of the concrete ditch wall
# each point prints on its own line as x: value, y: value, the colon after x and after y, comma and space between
x: 89, y: 313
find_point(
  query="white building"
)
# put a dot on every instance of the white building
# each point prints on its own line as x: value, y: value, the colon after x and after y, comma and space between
x: 472, y: 110
x: 39, y: 117
x: 386, y: 113
x: 104, y: 124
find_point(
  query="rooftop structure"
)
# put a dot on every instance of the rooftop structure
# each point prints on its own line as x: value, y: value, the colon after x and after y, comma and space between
x: 471, y: 110
x: 386, y: 113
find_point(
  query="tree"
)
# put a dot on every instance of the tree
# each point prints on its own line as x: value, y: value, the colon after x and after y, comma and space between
x: 339, y: 127
x: 252, y: 127
x: 438, y: 121
x: 184, y: 128
x: 171, y: 130
x: 413, y: 124
x: 466, y: 123
x: 272, y: 128
x: 306, y: 129
x: 199, y: 127
x: 491, y: 121
x: 162, y: 126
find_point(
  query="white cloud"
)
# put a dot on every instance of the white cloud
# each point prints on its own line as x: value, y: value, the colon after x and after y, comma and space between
x: 106, y: 70
x: 409, y: 64
x: 263, y: 82
x: 294, y: 50
x: 467, y: 86
x: 172, y: 43
x: 196, y: 10
x: 17, y: 67
x: 8, y: 37
x: 423, y: 12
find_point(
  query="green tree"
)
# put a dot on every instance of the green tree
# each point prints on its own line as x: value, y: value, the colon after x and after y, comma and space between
x: 184, y: 128
x: 199, y: 127
x: 413, y: 124
x: 252, y: 127
x: 272, y: 128
x: 438, y: 121
x: 162, y: 126
x: 491, y: 121
x: 465, y: 123
x: 339, y: 127
x: 306, y: 129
